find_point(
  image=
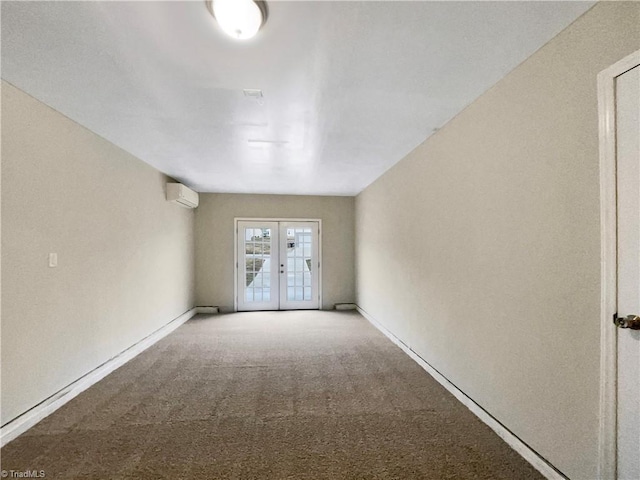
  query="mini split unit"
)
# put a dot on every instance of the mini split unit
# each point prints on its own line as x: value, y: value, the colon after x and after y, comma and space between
x: 176, y: 192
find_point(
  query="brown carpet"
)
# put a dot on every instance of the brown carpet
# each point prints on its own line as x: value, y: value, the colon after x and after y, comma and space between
x: 299, y: 395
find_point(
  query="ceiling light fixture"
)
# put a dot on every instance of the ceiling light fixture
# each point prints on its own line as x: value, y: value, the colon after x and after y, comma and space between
x: 240, y: 19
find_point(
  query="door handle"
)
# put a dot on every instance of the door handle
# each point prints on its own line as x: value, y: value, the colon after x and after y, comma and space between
x: 630, y: 321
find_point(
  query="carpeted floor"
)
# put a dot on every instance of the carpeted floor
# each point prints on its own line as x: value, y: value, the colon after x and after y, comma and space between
x: 298, y: 395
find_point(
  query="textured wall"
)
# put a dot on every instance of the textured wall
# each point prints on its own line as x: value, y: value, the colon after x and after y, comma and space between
x: 125, y: 255
x: 215, y: 237
x: 481, y: 249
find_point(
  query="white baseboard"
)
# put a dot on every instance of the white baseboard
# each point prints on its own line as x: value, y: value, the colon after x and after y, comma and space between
x: 539, y: 463
x: 207, y: 310
x: 21, y: 424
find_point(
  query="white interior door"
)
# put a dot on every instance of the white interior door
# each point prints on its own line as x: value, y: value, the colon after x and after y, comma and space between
x: 278, y: 265
x: 628, y: 234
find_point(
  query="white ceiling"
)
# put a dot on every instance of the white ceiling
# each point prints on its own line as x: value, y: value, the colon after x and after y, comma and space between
x: 349, y: 87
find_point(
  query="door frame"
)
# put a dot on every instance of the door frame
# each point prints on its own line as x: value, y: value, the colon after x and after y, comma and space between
x: 607, y: 441
x: 273, y: 219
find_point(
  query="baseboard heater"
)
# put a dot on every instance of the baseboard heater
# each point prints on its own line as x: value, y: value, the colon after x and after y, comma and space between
x: 345, y: 306
x: 529, y: 454
x: 208, y: 309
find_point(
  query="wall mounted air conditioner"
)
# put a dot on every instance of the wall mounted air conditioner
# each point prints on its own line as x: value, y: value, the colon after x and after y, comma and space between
x: 176, y: 192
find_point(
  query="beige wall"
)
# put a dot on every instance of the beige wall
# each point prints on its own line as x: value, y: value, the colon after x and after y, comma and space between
x: 125, y: 255
x: 215, y: 241
x: 481, y: 248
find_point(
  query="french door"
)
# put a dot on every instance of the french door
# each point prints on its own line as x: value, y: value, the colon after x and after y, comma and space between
x: 278, y: 265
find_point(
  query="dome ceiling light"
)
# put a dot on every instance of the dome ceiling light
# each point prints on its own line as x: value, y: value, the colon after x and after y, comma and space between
x: 240, y: 19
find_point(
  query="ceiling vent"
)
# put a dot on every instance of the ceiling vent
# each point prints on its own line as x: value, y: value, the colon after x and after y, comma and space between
x: 252, y: 93
x: 269, y: 142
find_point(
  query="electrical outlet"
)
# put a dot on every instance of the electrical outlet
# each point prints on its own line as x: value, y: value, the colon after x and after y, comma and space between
x: 53, y: 260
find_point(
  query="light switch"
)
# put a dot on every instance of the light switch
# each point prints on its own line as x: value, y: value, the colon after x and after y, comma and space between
x: 53, y: 259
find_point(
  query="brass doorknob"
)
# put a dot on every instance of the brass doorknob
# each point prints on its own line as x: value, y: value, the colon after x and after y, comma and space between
x: 630, y: 321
